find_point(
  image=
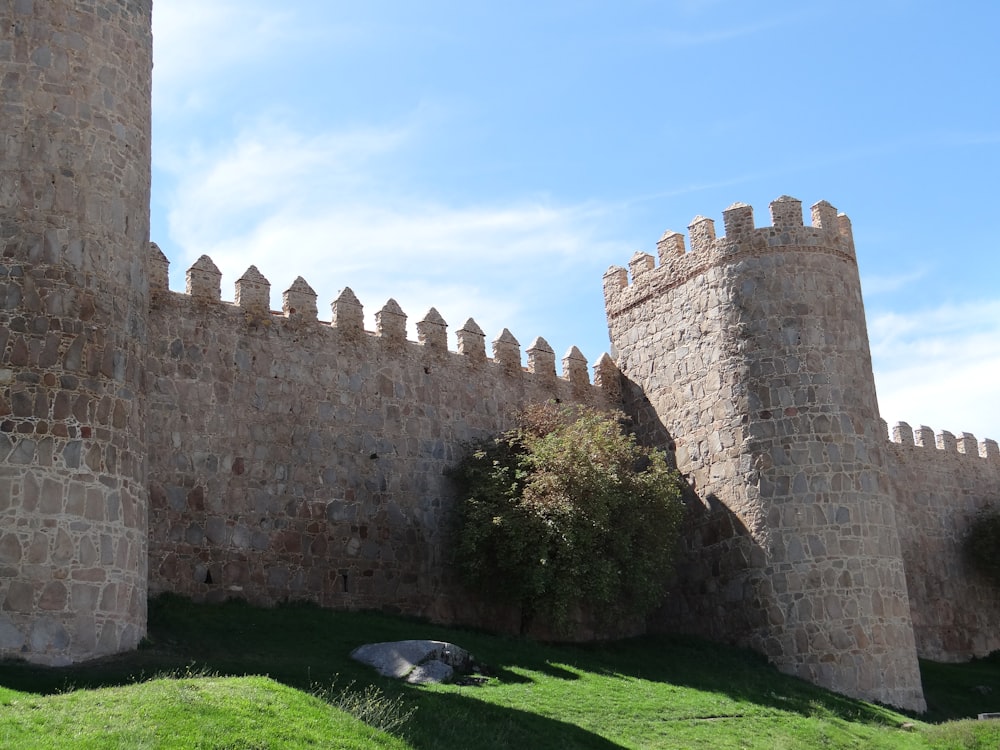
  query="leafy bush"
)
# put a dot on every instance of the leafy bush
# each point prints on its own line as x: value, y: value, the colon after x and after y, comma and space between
x: 982, y: 544
x: 567, y: 510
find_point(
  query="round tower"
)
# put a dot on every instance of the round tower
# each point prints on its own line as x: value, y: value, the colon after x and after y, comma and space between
x: 74, y: 236
x: 748, y: 356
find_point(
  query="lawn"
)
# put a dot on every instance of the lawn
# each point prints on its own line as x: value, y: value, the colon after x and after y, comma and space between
x: 233, y: 676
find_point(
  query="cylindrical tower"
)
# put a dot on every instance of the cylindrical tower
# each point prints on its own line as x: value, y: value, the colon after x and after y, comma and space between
x: 74, y: 238
x: 749, y: 356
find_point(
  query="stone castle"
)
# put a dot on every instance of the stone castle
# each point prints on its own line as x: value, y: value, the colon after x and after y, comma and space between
x: 156, y: 441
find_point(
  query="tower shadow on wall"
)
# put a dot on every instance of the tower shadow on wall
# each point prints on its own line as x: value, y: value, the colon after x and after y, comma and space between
x: 718, y: 564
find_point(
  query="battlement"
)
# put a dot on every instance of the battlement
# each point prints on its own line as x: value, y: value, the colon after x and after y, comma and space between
x: 945, y: 442
x: 829, y: 233
x: 299, y: 308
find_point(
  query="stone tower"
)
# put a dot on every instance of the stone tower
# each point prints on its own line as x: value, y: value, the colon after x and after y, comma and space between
x: 74, y: 236
x: 749, y: 357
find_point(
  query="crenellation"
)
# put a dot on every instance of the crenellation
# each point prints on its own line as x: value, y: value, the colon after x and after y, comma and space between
x: 738, y: 221
x: 846, y: 232
x: 670, y: 246
x: 946, y: 442
x: 923, y: 437
x: 743, y: 240
x: 574, y: 366
x: 347, y: 314
x: 507, y: 352
x: 786, y: 213
x: 159, y: 269
x: 541, y: 358
x: 608, y: 377
x: 390, y: 323
x: 253, y: 291
x: 824, y: 216
x: 204, y: 280
x: 989, y: 449
x: 472, y: 341
x: 432, y: 331
x: 967, y: 444
x: 639, y: 264
x: 299, y: 301
x: 615, y: 281
x: 902, y: 433
x: 701, y: 232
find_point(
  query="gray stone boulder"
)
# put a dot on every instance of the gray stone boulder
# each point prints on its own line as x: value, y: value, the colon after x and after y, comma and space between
x: 418, y: 661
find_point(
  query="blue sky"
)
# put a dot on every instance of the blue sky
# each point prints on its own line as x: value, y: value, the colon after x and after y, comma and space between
x: 493, y: 159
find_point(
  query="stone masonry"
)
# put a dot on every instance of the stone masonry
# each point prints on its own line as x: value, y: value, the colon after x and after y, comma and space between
x: 74, y: 228
x: 752, y: 352
x: 939, y: 484
x: 153, y: 441
x: 299, y: 459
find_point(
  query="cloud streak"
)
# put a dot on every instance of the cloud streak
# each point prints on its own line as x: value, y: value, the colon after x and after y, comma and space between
x: 874, y: 284
x: 934, y: 363
x: 196, y: 41
x: 202, y: 47
x: 335, y: 209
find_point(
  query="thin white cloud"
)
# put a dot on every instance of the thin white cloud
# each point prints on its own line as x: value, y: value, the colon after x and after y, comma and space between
x: 874, y: 284
x: 939, y: 367
x: 195, y: 39
x: 271, y: 165
x: 695, y: 188
x: 334, y: 208
x: 199, y: 46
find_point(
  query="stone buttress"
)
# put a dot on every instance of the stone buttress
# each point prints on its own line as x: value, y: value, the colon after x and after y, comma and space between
x: 74, y: 233
x: 748, y: 356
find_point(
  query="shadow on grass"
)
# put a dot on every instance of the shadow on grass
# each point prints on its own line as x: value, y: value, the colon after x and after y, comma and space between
x: 457, y: 720
x: 304, y: 646
x: 961, y: 690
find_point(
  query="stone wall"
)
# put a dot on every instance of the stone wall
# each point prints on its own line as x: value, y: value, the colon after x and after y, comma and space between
x: 74, y: 231
x: 939, y: 484
x: 296, y: 459
x: 753, y: 354
x: 272, y: 456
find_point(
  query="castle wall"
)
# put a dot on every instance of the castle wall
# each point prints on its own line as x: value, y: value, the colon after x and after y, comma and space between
x: 939, y: 484
x: 302, y: 460
x: 278, y: 457
x: 74, y: 230
x: 753, y: 354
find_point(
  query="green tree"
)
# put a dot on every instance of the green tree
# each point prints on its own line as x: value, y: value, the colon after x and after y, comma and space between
x: 567, y: 510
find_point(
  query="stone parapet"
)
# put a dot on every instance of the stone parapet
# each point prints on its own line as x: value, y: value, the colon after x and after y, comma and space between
x: 829, y: 233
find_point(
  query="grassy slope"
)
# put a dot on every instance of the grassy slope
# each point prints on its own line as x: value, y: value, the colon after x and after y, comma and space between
x: 643, y: 693
x: 204, y: 712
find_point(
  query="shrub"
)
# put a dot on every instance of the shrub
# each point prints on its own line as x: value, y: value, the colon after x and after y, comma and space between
x: 982, y: 544
x: 567, y: 510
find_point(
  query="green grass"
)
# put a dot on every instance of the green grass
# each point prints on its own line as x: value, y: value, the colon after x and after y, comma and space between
x: 202, y: 712
x: 654, y: 692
